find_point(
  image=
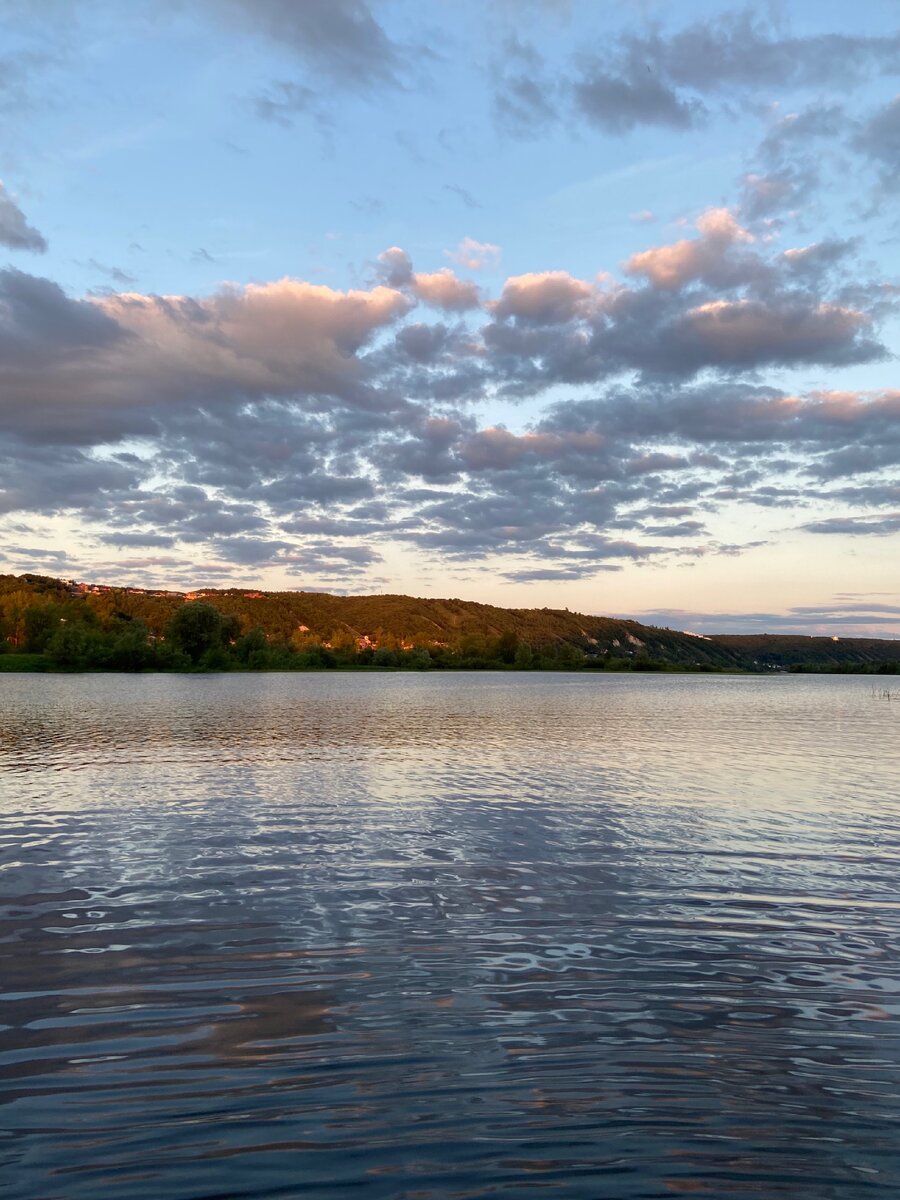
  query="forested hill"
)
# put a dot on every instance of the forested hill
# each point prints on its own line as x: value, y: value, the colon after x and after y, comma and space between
x: 35, y: 609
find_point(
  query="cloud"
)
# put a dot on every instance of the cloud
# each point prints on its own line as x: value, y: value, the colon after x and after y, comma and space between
x: 847, y: 620
x: 338, y: 39
x: 96, y: 369
x: 873, y: 526
x: 475, y: 256
x: 525, y: 101
x: 139, y: 538
x: 564, y: 331
x: 41, y: 479
x: 732, y: 414
x: 285, y: 99
x: 670, y: 80
x: 15, y: 232
x: 708, y: 257
x: 543, y: 298
x: 395, y: 267
x: 294, y: 427
x: 789, y: 162
x: 116, y: 274
x: 618, y: 103
x: 443, y: 289
x: 879, y: 140
x: 749, y: 332
x: 744, y: 49
x: 467, y: 198
x: 369, y: 206
x: 498, y: 449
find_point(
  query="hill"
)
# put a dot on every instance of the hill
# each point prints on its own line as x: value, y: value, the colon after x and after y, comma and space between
x: 35, y: 609
x: 789, y: 650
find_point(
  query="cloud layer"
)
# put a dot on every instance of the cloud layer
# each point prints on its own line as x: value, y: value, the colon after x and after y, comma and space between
x: 296, y: 426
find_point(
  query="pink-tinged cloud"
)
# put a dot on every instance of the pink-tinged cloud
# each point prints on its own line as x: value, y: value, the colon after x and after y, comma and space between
x: 475, y: 256
x: 395, y: 267
x: 670, y: 267
x: 543, y: 298
x: 281, y: 336
x: 93, y: 370
x: 443, y: 289
x: 747, y: 331
x: 847, y: 408
x: 496, y: 448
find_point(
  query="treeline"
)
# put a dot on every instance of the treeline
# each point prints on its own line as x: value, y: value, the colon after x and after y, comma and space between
x: 47, y: 622
x: 305, y: 629
x: 199, y: 637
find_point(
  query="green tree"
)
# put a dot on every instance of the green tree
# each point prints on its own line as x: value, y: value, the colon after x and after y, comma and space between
x: 69, y: 645
x: 130, y: 650
x: 315, y: 656
x: 41, y: 623
x: 252, y: 648
x: 507, y: 646
x: 195, y: 629
x: 343, y: 643
x: 418, y: 659
x: 524, y: 659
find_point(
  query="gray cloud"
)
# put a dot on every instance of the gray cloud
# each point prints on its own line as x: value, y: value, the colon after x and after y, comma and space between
x: 789, y: 162
x: 116, y: 274
x: 852, y: 620
x: 879, y: 139
x: 619, y: 102
x: 338, y: 39
x: 145, y: 538
x: 284, y: 100
x: 467, y: 198
x: 744, y: 49
x: 873, y: 526
x: 669, y: 79
x: 42, y: 479
x: 15, y: 232
x: 525, y: 103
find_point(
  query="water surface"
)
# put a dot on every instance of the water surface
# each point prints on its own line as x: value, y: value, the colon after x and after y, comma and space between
x: 449, y: 936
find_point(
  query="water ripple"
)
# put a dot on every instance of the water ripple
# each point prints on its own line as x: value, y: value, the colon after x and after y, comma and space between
x: 448, y: 937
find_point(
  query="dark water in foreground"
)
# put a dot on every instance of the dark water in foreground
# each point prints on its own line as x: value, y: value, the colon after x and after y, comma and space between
x: 448, y: 936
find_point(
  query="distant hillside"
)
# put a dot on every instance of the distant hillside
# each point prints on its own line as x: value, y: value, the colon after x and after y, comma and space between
x: 790, y: 649
x: 451, y: 630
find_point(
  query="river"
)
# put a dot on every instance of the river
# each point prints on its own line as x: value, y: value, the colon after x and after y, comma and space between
x: 447, y: 936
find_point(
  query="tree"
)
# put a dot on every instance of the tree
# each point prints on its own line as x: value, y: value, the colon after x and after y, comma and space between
x: 69, y: 646
x: 524, y: 658
x: 419, y: 659
x: 196, y: 628
x: 507, y: 646
x: 131, y: 649
x: 252, y: 648
x: 41, y: 622
x: 343, y: 643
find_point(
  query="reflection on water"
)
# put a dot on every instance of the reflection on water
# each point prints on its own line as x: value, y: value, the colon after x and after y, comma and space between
x: 448, y: 936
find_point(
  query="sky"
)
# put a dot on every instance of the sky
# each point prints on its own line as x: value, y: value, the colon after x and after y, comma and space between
x: 563, y: 304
